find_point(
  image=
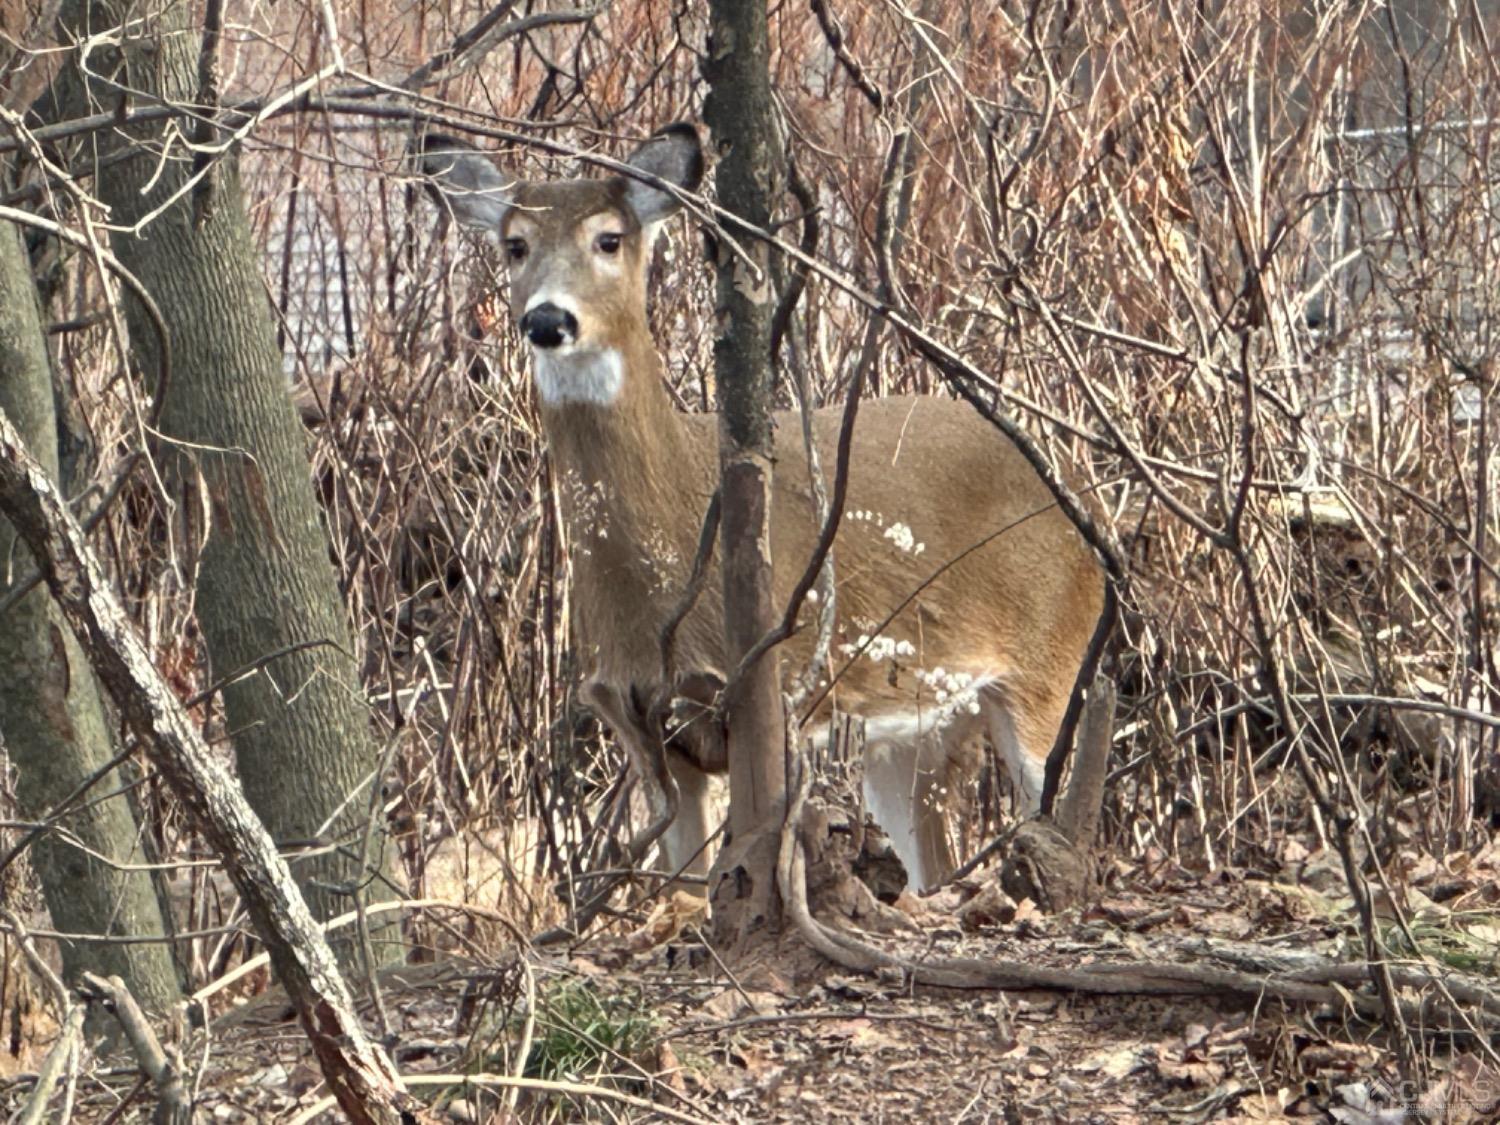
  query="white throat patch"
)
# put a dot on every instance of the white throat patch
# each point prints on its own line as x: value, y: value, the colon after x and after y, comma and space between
x: 572, y: 374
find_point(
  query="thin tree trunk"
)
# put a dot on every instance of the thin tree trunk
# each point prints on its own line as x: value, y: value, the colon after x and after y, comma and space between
x: 740, y: 116
x: 264, y: 582
x: 52, y: 722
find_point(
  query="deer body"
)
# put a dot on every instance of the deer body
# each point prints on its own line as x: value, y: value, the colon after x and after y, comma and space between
x: 991, y: 645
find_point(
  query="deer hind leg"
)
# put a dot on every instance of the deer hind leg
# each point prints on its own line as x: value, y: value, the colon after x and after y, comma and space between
x: 904, y: 786
x: 1023, y: 726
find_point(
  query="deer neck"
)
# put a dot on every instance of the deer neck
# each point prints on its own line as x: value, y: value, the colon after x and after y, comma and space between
x: 632, y: 483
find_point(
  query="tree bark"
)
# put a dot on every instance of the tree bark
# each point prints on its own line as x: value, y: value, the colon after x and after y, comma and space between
x: 739, y: 112
x: 52, y: 722
x: 358, y: 1073
x: 265, y: 581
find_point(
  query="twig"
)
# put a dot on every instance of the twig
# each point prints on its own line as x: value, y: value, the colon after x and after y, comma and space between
x: 173, y: 1102
x: 528, y: 1029
x: 470, y: 48
x: 773, y: 1018
x: 358, y: 1071
x: 1318, y: 985
x: 206, y: 131
x: 803, y: 193
x: 59, y: 1059
x: 24, y: 585
x: 38, y: 964
x: 900, y: 607
x: 834, y: 34
x: 895, y: 205
x: 133, y: 283
x: 63, y: 1058
x: 576, y: 1089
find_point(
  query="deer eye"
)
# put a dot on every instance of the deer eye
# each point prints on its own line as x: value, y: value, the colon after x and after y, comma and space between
x: 608, y: 243
x: 515, y: 249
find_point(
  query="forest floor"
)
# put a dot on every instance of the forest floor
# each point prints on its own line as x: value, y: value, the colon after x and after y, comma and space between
x: 627, y: 1029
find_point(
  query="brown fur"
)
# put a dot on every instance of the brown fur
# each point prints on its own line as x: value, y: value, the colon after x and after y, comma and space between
x: 635, y: 477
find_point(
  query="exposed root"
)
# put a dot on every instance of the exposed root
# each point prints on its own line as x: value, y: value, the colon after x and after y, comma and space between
x: 1451, y: 1002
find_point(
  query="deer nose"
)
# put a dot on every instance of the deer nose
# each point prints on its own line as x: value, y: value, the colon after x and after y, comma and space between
x: 549, y: 326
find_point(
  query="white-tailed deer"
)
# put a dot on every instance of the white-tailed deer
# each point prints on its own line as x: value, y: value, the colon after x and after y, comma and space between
x: 992, y: 645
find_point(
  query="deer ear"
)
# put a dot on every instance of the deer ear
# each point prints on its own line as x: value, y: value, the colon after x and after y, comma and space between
x: 463, y: 179
x: 672, y: 154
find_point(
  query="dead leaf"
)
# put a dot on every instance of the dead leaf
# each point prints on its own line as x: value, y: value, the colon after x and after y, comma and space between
x: 990, y: 907
x: 1190, y: 1072
x: 757, y: 1063
x: 667, y: 921
x: 1366, y: 1104
x: 1470, y: 1091
x: 1114, y: 1062
x: 668, y: 1068
x: 1263, y: 1107
x: 733, y: 1004
x: 1223, y: 923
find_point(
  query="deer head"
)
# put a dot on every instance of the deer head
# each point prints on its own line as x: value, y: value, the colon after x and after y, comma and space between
x: 577, y: 253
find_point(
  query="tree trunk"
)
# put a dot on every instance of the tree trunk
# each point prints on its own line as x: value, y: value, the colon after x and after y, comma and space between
x: 358, y: 1073
x: 51, y: 719
x: 740, y: 116
x: 264, y: 581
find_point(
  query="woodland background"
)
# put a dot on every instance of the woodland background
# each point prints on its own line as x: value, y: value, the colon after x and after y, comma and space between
x: 1232, y: 266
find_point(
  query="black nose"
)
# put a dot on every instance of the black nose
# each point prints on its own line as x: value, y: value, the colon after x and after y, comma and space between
x: 548, y: 326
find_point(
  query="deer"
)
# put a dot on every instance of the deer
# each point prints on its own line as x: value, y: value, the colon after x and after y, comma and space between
x: 965, y: 600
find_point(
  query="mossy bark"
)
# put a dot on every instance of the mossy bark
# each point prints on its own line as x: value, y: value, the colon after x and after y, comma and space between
x: 52, y: 721
x: 356, y: 1070
x: 265, y: 581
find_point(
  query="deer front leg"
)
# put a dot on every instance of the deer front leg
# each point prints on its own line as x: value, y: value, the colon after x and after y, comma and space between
x: 648, y: 757
x: 686, y: 843
x: 695, y: 749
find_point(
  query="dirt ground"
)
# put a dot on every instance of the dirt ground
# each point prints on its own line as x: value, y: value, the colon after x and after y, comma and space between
x: 633, y: 1029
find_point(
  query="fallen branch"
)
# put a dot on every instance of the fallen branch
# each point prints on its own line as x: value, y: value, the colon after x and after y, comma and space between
x: 173, y: 1102
x: 260, y: 960
x: 357, y: 1071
